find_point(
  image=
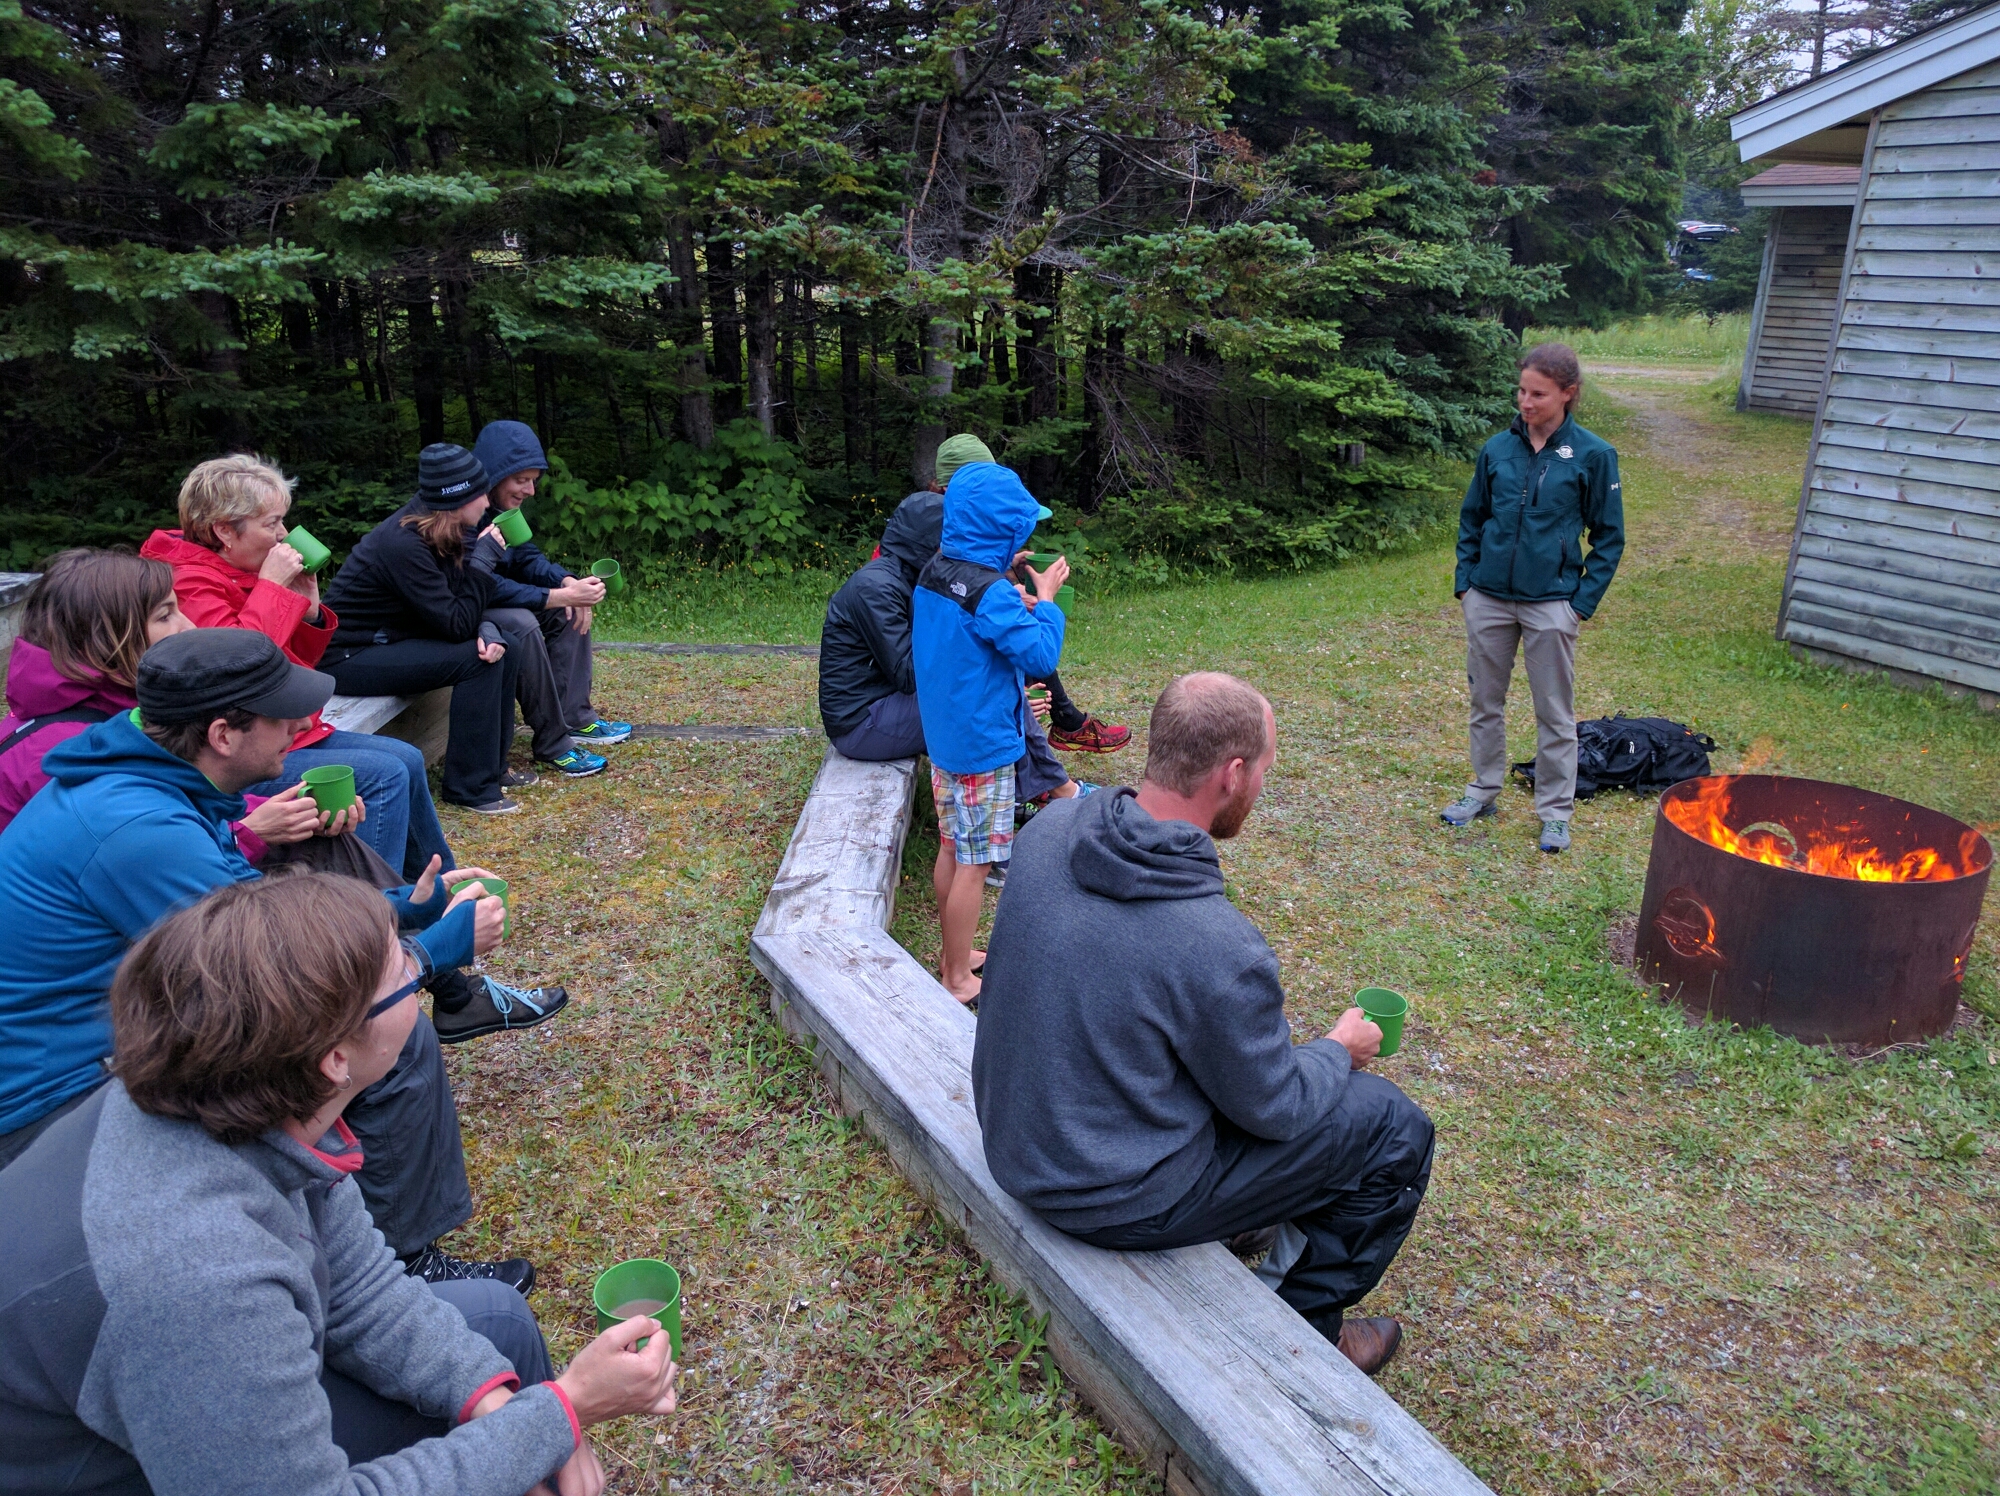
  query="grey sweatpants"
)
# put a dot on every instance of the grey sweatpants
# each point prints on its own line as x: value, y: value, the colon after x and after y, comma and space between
x: 1546, y: 634
x: 554, y: 684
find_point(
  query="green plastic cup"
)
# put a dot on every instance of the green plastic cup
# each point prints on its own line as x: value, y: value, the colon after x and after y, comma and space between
x: 513, y: 527
x: 331, y: 787
x: 309, y: 548
x: 1066, y: 600
x: 498, y: 888
x: 1386, y: 1010
x: 1043, y: 560
x: 610, y: 573
x: 644, y: 1285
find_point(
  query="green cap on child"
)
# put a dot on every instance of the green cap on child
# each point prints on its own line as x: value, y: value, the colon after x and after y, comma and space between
x: 954, y: 452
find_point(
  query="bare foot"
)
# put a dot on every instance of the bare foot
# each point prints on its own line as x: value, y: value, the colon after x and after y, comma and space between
x: 969, y: 993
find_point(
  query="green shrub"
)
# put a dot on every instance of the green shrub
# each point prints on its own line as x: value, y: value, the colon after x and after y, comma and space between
x: 742, y: 500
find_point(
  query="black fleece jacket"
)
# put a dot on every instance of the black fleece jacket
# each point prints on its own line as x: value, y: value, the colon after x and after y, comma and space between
x: 395, y: 585
x: 864, y: 648
x: 1126, y: 1005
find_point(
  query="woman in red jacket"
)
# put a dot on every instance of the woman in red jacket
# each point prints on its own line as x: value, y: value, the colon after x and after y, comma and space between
x: 233, y: 569
x: 89, y: 619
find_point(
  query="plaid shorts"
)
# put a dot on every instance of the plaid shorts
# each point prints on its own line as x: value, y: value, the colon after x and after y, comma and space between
x: 977, y: 812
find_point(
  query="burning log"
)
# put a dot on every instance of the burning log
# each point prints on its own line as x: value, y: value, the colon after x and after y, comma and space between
x: 1833, y: 915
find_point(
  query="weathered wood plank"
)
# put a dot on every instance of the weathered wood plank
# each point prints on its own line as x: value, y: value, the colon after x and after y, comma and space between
x: 1925, y: 367
x: 1871, y: 623
x: 1923, y: 265
x: 1949, y: 483
x: 1906, y: 516
x: 1877, y: 652
x: 1938, y: 446
x: 1969, y: 291
x: 1883, y: 414
x: 1972, y: 554
x: 1906, y: 492
x: 1943, y: 186
x: 1944, y: 103
x: 845, y: 858
x: 1917, y: 594
x: 1929, y: 237
x: 1231, y: 1375
x: 1921, y: 564
x: 1967, y: 156
x: 1901, y: 389
x: 1898, y: 610
x: 1959, y: 127
x: 1212, y: 1381
x: 1918, y: 314
x: 1939, y: 210
x: 1926, y: 342
x: 366, y: 714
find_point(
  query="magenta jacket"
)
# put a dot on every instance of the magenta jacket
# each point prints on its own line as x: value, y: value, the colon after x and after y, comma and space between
x: 35, y: 689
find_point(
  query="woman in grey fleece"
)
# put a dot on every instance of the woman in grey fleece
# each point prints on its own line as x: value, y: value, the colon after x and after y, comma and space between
x: 196, y: 1301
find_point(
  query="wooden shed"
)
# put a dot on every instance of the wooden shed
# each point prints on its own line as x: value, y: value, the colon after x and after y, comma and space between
x: 1895, y: 560
x: 1791, y: 325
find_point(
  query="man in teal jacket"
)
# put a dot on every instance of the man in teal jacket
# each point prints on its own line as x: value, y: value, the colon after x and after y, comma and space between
x: 1525, y: 584
x: 135, y: 823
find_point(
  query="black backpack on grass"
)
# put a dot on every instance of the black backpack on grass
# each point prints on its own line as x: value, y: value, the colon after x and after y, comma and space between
x: 1632, y: 753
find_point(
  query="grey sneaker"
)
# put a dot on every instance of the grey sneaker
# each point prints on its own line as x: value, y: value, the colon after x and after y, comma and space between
x: 1465, y: 810
x: 518, y: 779
x: 1555, y: 836
x: 499, y: 805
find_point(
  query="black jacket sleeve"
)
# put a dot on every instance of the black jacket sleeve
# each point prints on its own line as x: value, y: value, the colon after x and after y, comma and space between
x: 883, y: 620
x: 444, y: 602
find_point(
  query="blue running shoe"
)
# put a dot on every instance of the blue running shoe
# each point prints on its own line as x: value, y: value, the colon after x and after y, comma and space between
x: 601, y: 732
x: 578, y: 763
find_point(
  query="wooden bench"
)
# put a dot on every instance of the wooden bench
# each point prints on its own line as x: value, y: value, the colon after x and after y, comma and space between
x: 1205, y: 1375
x: 424, y: 720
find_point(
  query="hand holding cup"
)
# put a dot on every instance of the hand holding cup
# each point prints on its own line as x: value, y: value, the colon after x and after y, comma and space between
x: 611, y: 1377
x: 1358, y: 1033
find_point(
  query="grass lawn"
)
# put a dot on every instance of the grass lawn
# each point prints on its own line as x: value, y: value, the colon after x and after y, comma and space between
x: 1654, y: 1258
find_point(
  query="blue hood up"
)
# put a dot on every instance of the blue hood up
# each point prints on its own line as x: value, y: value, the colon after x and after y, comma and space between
x: 505, y: 448
x: 988, y: 515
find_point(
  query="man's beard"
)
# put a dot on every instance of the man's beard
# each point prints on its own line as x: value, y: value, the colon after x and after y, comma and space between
x: 1230, y: 817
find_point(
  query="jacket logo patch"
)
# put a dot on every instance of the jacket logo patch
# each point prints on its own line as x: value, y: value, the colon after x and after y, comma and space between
x: 1565, y: 452
x: 958, y: 589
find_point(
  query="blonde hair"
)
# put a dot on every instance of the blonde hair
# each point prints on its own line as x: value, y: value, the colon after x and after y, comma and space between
x: 228, y: 490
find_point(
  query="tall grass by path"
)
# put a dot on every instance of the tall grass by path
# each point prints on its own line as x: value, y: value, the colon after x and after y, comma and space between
x: 1664, y: 339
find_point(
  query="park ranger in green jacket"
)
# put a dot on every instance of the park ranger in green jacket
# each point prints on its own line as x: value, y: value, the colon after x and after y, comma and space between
x: 1524, y: 581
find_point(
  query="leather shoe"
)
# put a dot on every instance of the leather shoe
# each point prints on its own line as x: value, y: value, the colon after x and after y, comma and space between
x: 1370, y: 1343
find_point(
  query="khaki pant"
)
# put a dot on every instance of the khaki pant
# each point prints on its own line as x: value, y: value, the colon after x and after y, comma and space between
x: 1546, y: 634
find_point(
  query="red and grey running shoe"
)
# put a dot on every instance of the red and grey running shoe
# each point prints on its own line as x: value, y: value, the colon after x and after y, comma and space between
x: 1093, y: 736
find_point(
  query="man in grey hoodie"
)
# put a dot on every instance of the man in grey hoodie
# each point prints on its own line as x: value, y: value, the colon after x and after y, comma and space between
x: 1150, y: 1096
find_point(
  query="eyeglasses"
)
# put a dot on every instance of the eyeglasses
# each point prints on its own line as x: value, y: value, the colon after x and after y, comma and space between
x: 383, y: 1005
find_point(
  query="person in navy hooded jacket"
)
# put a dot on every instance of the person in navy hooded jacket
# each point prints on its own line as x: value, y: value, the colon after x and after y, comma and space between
x: 544, y: 612
x: 975, y: 638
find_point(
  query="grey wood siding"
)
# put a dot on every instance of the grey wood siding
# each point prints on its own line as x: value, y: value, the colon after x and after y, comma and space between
x: 1792, y: 328
x: 1897, y: 557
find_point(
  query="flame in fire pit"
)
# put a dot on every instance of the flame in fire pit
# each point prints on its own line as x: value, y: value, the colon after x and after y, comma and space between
x: 1839, y: 851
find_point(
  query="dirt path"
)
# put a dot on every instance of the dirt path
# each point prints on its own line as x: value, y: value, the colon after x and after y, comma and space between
x: 1723, y: 474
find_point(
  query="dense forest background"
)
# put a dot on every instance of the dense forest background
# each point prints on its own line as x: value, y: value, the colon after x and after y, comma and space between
x: 1224, y: 282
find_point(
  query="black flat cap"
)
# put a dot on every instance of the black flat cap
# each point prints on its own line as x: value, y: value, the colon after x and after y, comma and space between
x: 198, y: 675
